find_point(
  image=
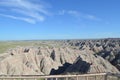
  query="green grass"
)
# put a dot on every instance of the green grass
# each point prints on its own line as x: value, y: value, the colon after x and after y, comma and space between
x: 6, y: 45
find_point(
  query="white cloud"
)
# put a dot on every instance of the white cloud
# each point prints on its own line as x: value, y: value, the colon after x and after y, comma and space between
x: 29, y: 20
x: 74, y: 13
x: 34, y: 15
x: 24, y: 10
x: 78, y: 14
x: 92, y: 17
x: 70, y: 12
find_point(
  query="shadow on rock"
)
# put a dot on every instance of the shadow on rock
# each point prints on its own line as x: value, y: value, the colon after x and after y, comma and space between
x: 79, y: 66
x: 60, y: 70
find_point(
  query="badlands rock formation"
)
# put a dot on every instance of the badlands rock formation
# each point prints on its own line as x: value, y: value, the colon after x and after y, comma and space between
x: 109, y: 49
x: 45, y: 60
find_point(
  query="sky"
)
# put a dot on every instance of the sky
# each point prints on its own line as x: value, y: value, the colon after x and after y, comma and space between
x: 59, y: 19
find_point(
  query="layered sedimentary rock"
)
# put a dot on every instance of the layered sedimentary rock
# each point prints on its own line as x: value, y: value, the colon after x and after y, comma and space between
x: 109, y: 48
x: 52, y: 60
x: 90, y: 64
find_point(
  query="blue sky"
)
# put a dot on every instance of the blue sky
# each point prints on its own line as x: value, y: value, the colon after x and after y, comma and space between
x: 59, y: 19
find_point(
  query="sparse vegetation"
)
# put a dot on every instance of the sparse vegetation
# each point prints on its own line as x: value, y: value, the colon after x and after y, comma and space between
x: 6, y: 45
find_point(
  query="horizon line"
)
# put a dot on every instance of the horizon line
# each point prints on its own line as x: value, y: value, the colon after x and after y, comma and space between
x: 61, y: 39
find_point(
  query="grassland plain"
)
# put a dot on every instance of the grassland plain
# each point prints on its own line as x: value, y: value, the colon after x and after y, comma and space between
x: 6, y: 45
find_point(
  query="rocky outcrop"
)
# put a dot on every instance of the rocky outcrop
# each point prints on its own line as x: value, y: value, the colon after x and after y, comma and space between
x: 83, y: 65
x: 35, y: 60
x: 51, y: 60
x: 109, y: 48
